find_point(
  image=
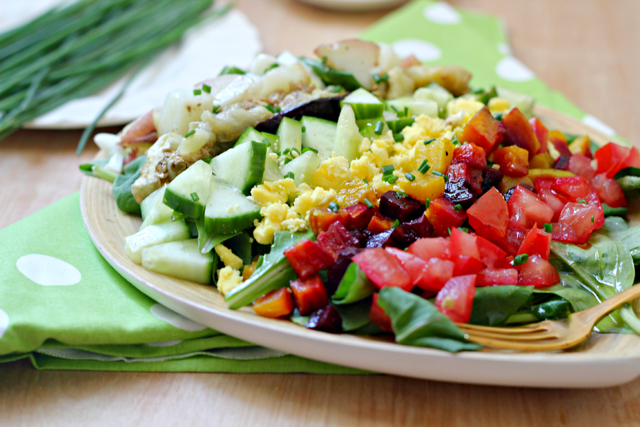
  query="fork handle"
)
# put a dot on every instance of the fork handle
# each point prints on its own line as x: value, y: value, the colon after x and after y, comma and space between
x: 597, y: 312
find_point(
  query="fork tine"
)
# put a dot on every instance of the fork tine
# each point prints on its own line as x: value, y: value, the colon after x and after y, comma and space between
x: 552, y: 345
x: 536, y: 327
x: 536, y: 336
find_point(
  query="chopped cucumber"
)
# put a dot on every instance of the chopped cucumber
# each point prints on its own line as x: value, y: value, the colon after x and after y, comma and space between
x: 153, y: 235
x: 320, y: 135
x: 303, y: 167
x: 347, y: 133
x: 249, y: 135
x: 396, y: 126
x: 524, y: 103
x: 434, y: 92
x: 228, y: 211
x: 415, y: 107
x: 242, y: 166
x: 365, y: 105
x: 271, y: 170
x: 150, y: 201
x: 274, y: 140
x: 290, y: 134
x: 189, y: 192
x: 153, y: 210
x: 181, y: 259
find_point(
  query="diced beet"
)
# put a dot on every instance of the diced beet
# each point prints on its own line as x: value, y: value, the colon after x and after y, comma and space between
x: 402, y: 238
x: 379, y: 223
x: 457, y: 192
x: 335, y: 273
x: 471, y: 154
x: 483, y: 130
x: 490, y: 178
x: 443, y: 215
x: 336, y: 239
x: 326, y: 319
x: 559, y: 142
x: 359, y: 215
x: 420, y: 227
x: 381, y: 239
x: 362, y: 235
x: 470, y: 175
x: 309, y: 294
x: 509, y: 193
x: 562, y: 163
x: 520, y: 132
x: 321, y: 218
x: 307, y: 257
x: 402, y: 208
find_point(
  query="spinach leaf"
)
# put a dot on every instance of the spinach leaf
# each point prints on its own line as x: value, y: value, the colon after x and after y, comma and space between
x: 214, y: 269
x: 298, y: 318
x: 353, y: 287
x: 122, y: 186
x: 630, y: 171
x: 572, y: 291
x: 556, y: 308
x: 609, y: 211
x: 207, y: 241
x: 493, y: 305
x: 629, y: 183
x: 88, y: 168
x: 415, y: 321
x: 629, y: 236
x: 240, y: 245
x: 356, y: 315
x: 274, y: 272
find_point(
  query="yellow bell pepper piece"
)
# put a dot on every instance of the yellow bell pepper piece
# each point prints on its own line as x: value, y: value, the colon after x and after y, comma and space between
x: 548, y: 173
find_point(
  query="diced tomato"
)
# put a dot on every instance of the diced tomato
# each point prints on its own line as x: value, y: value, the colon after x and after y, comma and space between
x: 581, y: 165
x: 430, y: 247
x: 336, y: 239
x: 464, y: 264
x: 573, y: 187
x: 506, y: 262
x: 520, y: 132
x: 541, y: 134
x: 611, y: 158
x: 483, y: 130
x: 321, y: 218
x: 378, y: 317
x: 489, y: 215
x: 435, y: 274
x: 275, y: 304
x: 471, y: 154
x: 543, y: 184
x: 383, y: 269
x: 378, y: 224
x: 513, y: 160
x: 309, y: 294
x: 537, y: 242
x: 497, y: 276
x: 554, y: 201
x: 527, y: 209
x: 455, y: 299
x: 443, y: 216
x: 512, y: 241
x: 411, y: 263
x: 307, y: 257
x: 593, y: 200
x: 538, y: 272
x: 609, y: 191
x: 359, y: 215
x: 633, y: 159
x: 490, y: 254
x: 466, y: 175
x: 461, y: 243
x: 577, y: 222
x: 559, y: 142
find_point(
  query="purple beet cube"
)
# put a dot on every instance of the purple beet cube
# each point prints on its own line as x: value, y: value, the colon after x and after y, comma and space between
x: 326, y: 319
x: 400, y: 207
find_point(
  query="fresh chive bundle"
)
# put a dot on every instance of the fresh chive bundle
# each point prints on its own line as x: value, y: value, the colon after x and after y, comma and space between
x: 71, y: 52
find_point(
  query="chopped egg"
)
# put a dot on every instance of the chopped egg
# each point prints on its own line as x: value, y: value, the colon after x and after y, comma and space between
x: 228, y: 279
x: 228, y: 257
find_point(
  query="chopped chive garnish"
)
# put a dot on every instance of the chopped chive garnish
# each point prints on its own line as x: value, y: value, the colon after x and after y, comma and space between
x: 449, y: 230
x: 286, y: 151
x: 323, y: 59
x: 334, y: 206
x: 406, y: 111
x: 593, y: 218
x: 458, y: 207
x: 388, y: 169
x: 304, y: 129
x: 391, y: 179
x: 368, y: 203
x: 207, y: 160
x: 583, y: 201
x: 266, y: 141
x: 455, y: 141
x: 409, y: 176
x: 194, y: 197
x: 188, y: 134
x: 305, y: 149
x: 548, y: 228
x: 197, y: 92
x: 206, y: 88
x: 290, y: 175
x: 379, y: 79
x: 429, y: 141
x: 273, y: 109
x: 336, y: 89
x: 365, y: 180
x: 379, y: 128
x: 428, y: 202
x: 401, y: 194
x: 463, y: 229
x: 445, y: 177
x: 287, y: 160
x: 216, y: 108
x: 393, y: 107
x: 520, y: 259
x: 424, y: 167
x: 295, y: 150
x: 396, y: 223
x: 398, y: 137
x: 271, y: 67
x: 498, y: 116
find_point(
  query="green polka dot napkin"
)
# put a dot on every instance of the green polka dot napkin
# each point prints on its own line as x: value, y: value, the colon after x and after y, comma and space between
x: 63, y: 307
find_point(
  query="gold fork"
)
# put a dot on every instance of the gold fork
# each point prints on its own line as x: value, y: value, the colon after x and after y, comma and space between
x: 549, y: 335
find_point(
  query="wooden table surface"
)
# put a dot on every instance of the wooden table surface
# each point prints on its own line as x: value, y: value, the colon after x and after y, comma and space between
x: 588, y: 49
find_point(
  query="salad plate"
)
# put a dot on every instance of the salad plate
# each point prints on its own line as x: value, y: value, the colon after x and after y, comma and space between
x: 603, y: 360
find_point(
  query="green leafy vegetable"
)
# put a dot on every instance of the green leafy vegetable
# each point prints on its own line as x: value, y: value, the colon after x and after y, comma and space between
x: 206, y: 241
x: 630, y: 171
x: 122, y: 186
x: 240, y: 245
x: 298, y: 318
x: 354, y: 316
x: 556, y: 308
x: 331, y: 76
x: 353, y: 287
x: 493, y: 305
x: 88, y: 168
x: 609, y: 211
x: 618, y: 230
x: 418, y: 322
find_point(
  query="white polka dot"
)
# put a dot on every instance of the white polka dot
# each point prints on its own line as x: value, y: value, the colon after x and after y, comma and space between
x: 442, y: 13
x: 423, y: 50
x: 591, y: 121
x: 171, y: 317
x: 48, y: 271
x: 511, y: 69
x: 164, y: 343
x: 4, y: 322
x: 504, y: 48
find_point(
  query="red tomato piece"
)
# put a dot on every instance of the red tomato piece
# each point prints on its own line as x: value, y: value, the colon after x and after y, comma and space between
x: 520, y: 132
x: 359, y: 215
x: 411, y: 263
x: 383, y: 269
x: 537, y: 242
x: 336, y: 239
x: 464, y: 264
x: 554, y: 201
x: 430, y: 247
x: 461, y: 243
x: 633, y: 159
x: 612, y: 157
x: 490, y: 254
x: 435, y: 274
x: 483, y: 130
x: 577, y: 222
x: 489, y: 215
x: 526, y: 209
x: 513, y: 160
x: 512, y: 241
x: 471, y: 154
x: 538, y: 272
x: 506, y: 262
x: 497, y: 276
x: 443, y: 216
x: 573, y: 187
x: 307, y: 257
x: 609, y: 191
x: 275, y: 304
x: 321, y: 218
x: 593, y: 200
x: 455, y: 299
x: 542, y: 184
x: 378, y: 316
x: 309, y: 294
x: 541, y: 132
x: 581, y: 165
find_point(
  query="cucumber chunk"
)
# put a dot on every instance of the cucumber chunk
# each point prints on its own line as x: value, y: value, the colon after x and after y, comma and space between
x: 228, y: 211
x: 243, y: 166
x: 416, y: 107
x: 181, y: 259
x: 303, y: 167
x: 434, y: 92
x: 365, y: 105
x: 271, y: 170
x: 189, y: 192
x: 250, y: 134
x: 153, y: 235
x: 319, y: 134
x: 290, y: 134
x: 524, y: 103
x: 153, y: 210
x: 274, y: 140
x: 347, y: 134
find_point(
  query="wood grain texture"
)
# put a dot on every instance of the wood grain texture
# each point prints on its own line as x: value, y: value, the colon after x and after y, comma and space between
x: 587, y: 49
